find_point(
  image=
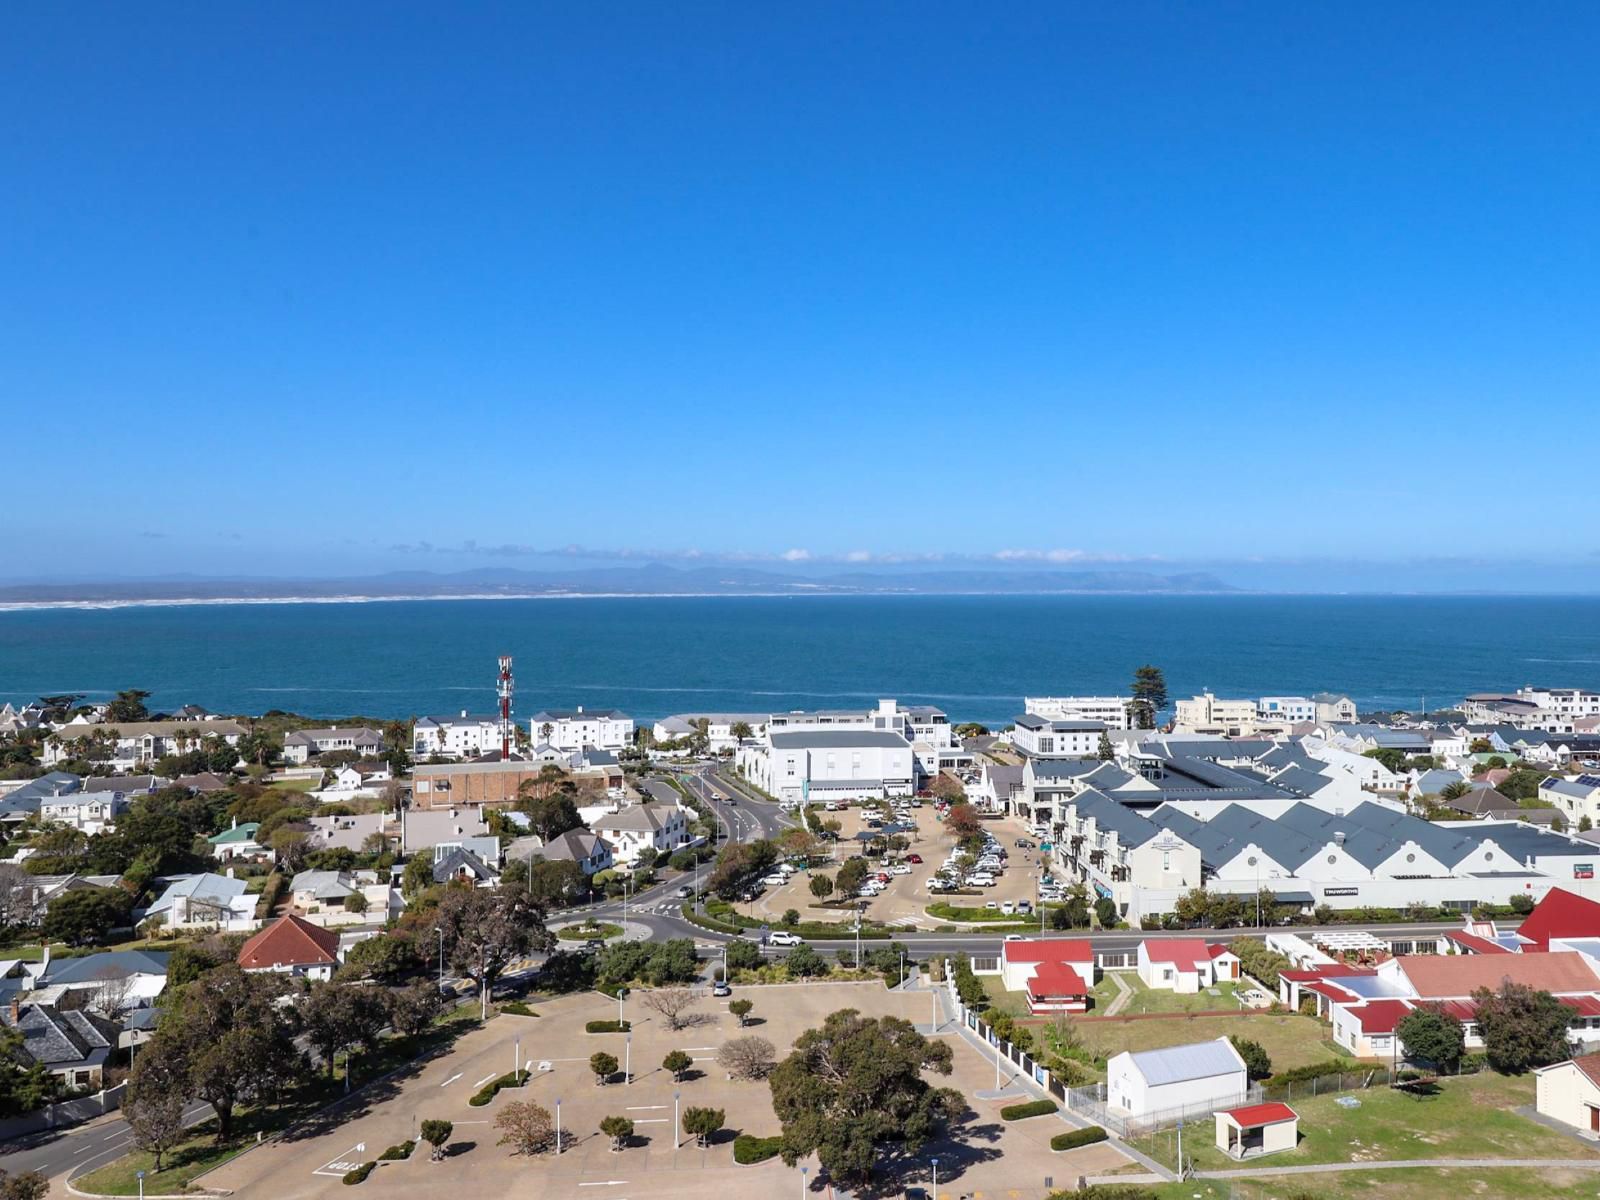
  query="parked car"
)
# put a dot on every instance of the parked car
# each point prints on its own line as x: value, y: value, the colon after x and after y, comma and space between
x: 992, y: 904
x: 900, y: 869
x: 774, y: 880
x: 1008, y: 908
x: 721, y: 988
x: 781, y: 938
x: 980, y: 880
x: 1024, y: 906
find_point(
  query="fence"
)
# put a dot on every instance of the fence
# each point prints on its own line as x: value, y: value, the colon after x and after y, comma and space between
x: 1021, y: 1059
x: 67, y: 1112
x: 1091, y: 1102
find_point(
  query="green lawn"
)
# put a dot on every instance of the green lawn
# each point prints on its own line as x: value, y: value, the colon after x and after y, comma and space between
x: 1503, y: 1183
x: 294, y: 785
x: 1289, y: 1039
x: 1162, y: 1000
x: 581, y: 933
x: 1466, y: 1117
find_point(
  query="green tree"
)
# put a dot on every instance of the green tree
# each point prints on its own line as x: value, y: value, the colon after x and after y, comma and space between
x: 1521, y: 1028
x: 741, y: 730
x: 551, y: 816
x: 803, y: 961
x: 385, y: 959
x: 677, y: 1062
x: 1106, y: 751
x: 1105, y: 912
x: 337, y: 1015
x: 851, y: 876
x: 821, y: 887
x: 1149, y: 693
x: 413, y: 1009
x: 128, y: 706
x: 437, y: 1135
x: 618, y: 1129
x: 85, y: 915
x: 741, y: 1009
x: 702, y: 1124
x: 1257, y: 1064
x: 1432, y: 1035
x: 525, y: 1126
x: 603, y: 1065
x: 486, y: 930
x: 29, y: 1185
x: 856, y: 1083
x: 158, y: 1092
x: 1453, y: 791
x: 743, y: 955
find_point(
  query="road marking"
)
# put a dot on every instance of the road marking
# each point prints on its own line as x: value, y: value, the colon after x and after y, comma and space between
x: 484, y: 1080
x: 645, y: 1107
x: 651, y: 1120
x: 340, y: 1166
x: 606, y: 1183
x: 451, y: 1080
x: 109, y: 1136
x: 700, y: 1047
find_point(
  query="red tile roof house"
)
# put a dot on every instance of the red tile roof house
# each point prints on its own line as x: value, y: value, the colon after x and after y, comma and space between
x: 1560, y: 914
x: 1368, y: 1010
x: 292, y: 945
x: 1185, y: 965
x: 1056, y: 973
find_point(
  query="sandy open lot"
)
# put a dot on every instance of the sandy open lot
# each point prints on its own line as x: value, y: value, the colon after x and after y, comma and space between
x: 987, y: 1158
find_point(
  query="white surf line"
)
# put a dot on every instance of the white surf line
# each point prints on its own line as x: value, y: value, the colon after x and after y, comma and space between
x: 451, y: 1080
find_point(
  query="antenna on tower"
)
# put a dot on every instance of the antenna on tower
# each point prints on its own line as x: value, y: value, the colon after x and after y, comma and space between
x: 504, y: 691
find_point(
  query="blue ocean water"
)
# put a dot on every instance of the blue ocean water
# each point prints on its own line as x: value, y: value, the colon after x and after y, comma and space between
x: 976, y: 656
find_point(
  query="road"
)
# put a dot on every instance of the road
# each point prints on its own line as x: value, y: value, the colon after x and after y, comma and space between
x: 81, y: 1146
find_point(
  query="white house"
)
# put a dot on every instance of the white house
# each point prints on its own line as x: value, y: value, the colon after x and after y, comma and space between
x: 303, y: 744
x: 589, y: 850
x: 1046, y: 737
x: 1283, y: 711
x: 1333, y: 708
x: 465, y: 736
x: 204, y: 901
x: 127, y: 744
x: 1110, y: 711
x: 719, y: 728
x: 573, y: 729
x: 1185, y: 965
x: 640, y: 827
x: 1220, y: 718
x: 1199, y: 1077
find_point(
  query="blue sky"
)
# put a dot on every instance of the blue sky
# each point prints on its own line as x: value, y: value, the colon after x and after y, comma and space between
x: 337, y: 289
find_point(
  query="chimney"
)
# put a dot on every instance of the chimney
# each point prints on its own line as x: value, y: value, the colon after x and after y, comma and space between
x: 16, y: 1008
x: 463, y: 714
x: 1338, y: 838
x: 580, y: 710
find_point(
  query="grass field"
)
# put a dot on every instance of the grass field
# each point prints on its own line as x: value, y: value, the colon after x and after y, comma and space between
x: 1161, y: 1000
x: 1290, y: 1040
x: 1466, y: 1117
x: 581, y: 933
x: 1503, y: 1183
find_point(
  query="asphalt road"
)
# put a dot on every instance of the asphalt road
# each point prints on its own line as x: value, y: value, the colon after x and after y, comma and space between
x: 81, y: 1146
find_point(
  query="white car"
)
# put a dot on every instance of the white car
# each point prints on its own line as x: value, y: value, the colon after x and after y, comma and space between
x: 980, y: 880
x: 900, y: 869
x: 780, y: 938
x: 775, y: 880
x: 1008, y: 908
x: 992, y: 904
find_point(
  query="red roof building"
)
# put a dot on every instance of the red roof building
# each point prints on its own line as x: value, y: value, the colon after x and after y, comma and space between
x: 1056, y: 973
x: 1560, y: 914
x: 1257, y: 1129
x: 1185, y: 964
x: 294, y: 946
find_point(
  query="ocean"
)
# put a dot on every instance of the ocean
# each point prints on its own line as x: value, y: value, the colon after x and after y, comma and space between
x: 975, y: 656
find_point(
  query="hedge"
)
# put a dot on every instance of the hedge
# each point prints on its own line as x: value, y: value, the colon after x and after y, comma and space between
x: 518, y: 1009
x: 748, y: 1150
x: 1074, y: 1138
x: 491, y: 1089
x: 398, y: 1153
x: 1034, y: 1108
x: 608, y: 1027
x: 1321, y: 1070
x: 359, y: 1173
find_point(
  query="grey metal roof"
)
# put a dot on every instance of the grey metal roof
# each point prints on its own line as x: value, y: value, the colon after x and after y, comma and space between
x: 112, y: 964
x: 1301, y: 779
x: 57, y: 1038
x: 1178, y: 1064
x: 1131, y: 828
x: 835, y: 738
x: 453, y: 860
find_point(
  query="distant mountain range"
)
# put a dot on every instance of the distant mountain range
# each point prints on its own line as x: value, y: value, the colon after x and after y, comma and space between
x: 654, y: 579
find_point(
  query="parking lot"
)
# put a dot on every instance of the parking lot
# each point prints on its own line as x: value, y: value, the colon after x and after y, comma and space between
x: 312, y: 1160
x: 906, y: 897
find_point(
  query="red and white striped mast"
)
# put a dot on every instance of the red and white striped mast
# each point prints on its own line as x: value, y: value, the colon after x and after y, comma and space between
x: 504, y: 691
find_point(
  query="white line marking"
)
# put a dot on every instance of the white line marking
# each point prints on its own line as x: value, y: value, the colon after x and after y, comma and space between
x: 700, y: 1047
x: 451, y: 1080
x: 119, y: 1133
x: 484, y: 1080
x: 645, y: 1107
x: 652, y: 1120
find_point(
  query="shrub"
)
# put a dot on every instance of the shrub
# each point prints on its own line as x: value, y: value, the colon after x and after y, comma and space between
x: 491, y: 1089
x: 1074, y: 1138
x: 1034, y: 1108
x: 748, y: 1150
x: 359, y: 1173
x: 398, y: 1153
x: 1305, y: 1074
x: 608, y: 1027
x: 518, y: 1009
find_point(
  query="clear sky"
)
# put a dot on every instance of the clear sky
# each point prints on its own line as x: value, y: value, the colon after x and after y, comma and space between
x: 346, y: 288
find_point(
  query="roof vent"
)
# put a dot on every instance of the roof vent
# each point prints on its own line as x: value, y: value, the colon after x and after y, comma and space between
x: 1338, y: 838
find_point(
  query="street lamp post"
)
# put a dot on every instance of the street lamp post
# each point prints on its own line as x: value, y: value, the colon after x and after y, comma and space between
x: 936, y: 1179
x: 440, y: 932
x: 558, y: 1127
x: 621, y: 992
x: 803, y: 1171
x: 627, y: 1060
x: 140, y: 1174
x: 677, y: 1124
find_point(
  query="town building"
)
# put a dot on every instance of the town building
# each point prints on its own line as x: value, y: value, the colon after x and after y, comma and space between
x: 71, y: 1044
x: 1185, y: 965
x: 1335, y: 709
x: 1110, y: 711
x: 631, y: 831
x: 1569, y: 1092
x: 203, y: 901
x: 719, y: 728
x: 238, y: 842
x: 588, y: 849
x: 1045, y: 737
x: 1256, y: 1129
x: 129, y: 744
x: 301, y: 745
x: 1209, y: 715
x: 463, y: 736
x: 1056, y: 973
x: 573, y: 729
